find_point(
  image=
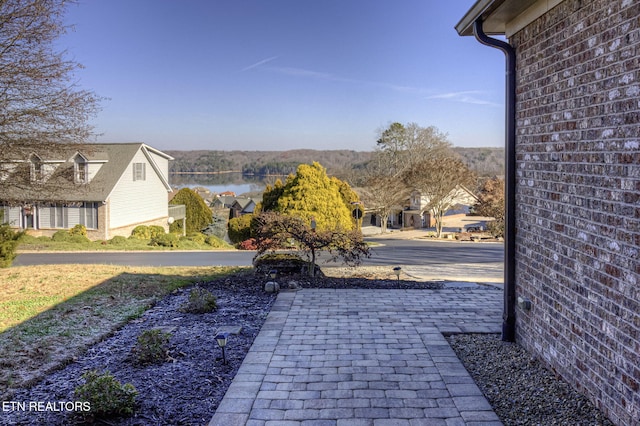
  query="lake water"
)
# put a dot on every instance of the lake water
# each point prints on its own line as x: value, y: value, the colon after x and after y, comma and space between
x: 234, y: 182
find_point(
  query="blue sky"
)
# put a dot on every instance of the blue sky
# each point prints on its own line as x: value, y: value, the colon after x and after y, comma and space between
x: 283, y: 74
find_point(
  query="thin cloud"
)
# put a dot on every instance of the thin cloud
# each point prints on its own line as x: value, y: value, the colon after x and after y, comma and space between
x: 300, y: 72
x: 259, y: 63
x: 319, y: 75
x: 467, y: 97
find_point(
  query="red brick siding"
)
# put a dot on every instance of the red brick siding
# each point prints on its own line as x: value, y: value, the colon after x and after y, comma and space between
x: 578, y: 197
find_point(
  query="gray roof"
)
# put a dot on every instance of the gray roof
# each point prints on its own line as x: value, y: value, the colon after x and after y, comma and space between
x: 60, y: 186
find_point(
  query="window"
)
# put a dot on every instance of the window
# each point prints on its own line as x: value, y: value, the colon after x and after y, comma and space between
x: 80, y: 170
x: 36, y: 169
x: 65, y: 216
x: 139, y: 172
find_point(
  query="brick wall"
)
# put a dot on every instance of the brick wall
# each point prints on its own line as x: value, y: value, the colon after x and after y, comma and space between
x: 578, y: 197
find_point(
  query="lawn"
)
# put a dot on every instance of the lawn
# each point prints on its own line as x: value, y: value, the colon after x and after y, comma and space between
x: 194, y: 242
x: 49, y: 314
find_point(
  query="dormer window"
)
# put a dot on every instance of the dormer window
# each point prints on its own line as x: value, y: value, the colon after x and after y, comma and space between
x: 80, y: 170
x: 37, y: 170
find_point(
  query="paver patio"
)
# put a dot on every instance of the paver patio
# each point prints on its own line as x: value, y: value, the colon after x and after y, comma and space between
x: 363, y: 357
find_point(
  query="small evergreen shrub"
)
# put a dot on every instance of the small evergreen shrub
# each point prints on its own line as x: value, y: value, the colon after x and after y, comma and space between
x: 200, y: 301
x: 78, y: 238
x: 78, y: 230
x: 9, y: 240
x: 141, y: 232
x: 214, y: 241
x: 151, y: 347
x: 197, y: 238
x: 106, y: 395
x: 240, y: 228
x: 61, y: 236
x: 165, y: 240
x: 118, y: 240
x: 155, y: 230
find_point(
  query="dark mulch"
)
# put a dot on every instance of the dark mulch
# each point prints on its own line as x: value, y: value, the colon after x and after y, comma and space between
x: 186, y: 389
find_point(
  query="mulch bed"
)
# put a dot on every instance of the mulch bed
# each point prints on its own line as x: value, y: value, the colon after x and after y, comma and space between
x: 188, y: 387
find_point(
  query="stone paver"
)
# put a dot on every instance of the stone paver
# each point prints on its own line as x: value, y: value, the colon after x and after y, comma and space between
x: 363, y: 357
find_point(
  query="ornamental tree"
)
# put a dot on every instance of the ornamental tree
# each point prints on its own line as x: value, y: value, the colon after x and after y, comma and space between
x: 274, y: 230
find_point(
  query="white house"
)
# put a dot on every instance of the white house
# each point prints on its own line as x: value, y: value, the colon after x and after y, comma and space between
x: 456, y: 203
x: 108, y: 188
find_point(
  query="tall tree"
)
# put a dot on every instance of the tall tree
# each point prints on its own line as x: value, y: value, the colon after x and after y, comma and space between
x: 408, y: 144
x: 439, y: 180
x: 400, y: 148
x: 40, y: 104
x: 383, y: 189
x: 199, y: 215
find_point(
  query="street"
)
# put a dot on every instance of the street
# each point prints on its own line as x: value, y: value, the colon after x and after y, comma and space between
x: 389, y: 252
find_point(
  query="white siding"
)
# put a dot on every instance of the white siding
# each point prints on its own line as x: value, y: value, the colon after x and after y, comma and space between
x: 139, y: 201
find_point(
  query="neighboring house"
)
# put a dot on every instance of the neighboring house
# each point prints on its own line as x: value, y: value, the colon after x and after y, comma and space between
x: 456, y: 204
x: 222, y: 201
x: 242, y: 206
x: 108, y: 188
x: 205, y: 194
x: 572, y: 274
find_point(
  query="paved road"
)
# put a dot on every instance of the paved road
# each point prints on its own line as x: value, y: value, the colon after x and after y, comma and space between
x: 390, y: 252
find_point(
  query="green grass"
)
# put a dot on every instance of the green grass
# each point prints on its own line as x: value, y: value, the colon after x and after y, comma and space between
x: 31, y: 243
x: 49, y: 314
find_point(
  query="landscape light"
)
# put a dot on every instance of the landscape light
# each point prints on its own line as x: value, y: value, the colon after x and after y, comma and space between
x: 397, y: 271
x: 273, y: 274
x: 221, y: 339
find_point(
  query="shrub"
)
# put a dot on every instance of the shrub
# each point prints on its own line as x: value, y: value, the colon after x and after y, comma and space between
x: 151, y: 347
x: 78, y: 238
x: 61, y: 236
x: 106, y: 395
x: 200, y: 301
x: 199, y: 215
x: 284, y: 263
x: 141, y: 232
x: 249, y: 244
x: 155, y: 230
x: 196, y: 237
x: 78, y: 230
x: 165, y: 240
x: 118, y: 240
x: 9, y: 240
x: 30, y: 239
x: 214, y: 241
x: 240, y: 228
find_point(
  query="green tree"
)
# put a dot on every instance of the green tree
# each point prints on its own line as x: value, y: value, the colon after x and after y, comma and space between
x: 9, y: 240
x: 275, y: 230
x: 199, y: 215
x: 491, y: 203
x: 270, y: 196
x: 311, y: 194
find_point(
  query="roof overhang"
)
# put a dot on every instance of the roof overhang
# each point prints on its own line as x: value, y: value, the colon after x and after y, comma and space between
x: 503, y: 17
